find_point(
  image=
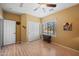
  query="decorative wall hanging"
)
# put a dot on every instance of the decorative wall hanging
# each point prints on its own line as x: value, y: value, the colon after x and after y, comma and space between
x: 67, y: 27
x: 24, y: 27
x: 18, y: 23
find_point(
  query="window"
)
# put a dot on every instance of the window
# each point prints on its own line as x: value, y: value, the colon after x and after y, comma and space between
x: 49, y: 28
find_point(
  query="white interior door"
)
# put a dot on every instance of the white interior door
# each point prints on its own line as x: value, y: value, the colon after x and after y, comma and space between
x: 33, y: 31
x: 1, y: 32
x: 9, y: 32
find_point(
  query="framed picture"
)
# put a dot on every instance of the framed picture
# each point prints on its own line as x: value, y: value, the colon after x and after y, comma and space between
x: 67, y: 27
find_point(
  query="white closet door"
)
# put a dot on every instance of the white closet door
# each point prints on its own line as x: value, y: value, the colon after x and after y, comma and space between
x: 9, y: 32
x: 1, y: 32
x: 33, y: 31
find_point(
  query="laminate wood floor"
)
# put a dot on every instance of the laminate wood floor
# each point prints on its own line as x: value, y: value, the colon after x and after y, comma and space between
x: 36, y: 48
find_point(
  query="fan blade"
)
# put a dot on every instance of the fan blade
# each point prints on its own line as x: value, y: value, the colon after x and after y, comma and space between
x: 36, y: 9
x: 51, y: 9
x: 51, y: 5
x: 43, y: 9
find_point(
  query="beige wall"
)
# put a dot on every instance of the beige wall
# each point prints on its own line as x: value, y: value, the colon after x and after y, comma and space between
x: 23, y: 30
x: 11, y: 16
x: 24, y: 19
x: 67, y: 38
x: 33, y: 18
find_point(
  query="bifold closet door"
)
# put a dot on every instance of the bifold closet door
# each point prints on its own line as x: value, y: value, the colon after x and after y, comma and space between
x: 9, y: 32
x: 1, y: 32
x: 33, y: 31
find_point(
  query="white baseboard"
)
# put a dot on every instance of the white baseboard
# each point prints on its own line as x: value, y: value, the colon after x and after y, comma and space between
x: 66, y: 47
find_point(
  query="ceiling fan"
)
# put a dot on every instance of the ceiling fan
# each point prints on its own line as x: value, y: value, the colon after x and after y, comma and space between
x: 43, y: 5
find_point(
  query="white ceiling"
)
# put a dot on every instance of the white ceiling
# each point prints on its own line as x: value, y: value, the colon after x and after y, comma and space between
x: 28, y: 8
